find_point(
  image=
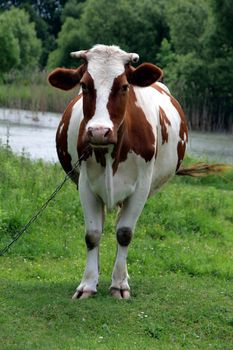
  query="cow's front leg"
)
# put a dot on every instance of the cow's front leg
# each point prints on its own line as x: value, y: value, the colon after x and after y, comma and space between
x: 120, y: 287
x: 93, y: 215
x: 129, y: 215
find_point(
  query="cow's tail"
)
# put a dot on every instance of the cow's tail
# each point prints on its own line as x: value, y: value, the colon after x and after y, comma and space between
x: 202, y: 169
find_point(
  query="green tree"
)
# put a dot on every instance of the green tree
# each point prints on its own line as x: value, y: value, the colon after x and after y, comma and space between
x: 134, y: 25
x: 23, y: 49
x: 73, y: 8
x: 197, y: 60
x: 49, y: 10
x: 166, y: 56
x: 219, y: 42
x: 186, y: 20
x: 223, y: 12
x: 46, y: 14
x: 9, y: 46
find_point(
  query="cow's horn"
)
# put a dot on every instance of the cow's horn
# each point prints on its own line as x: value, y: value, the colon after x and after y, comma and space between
x: 79, y: 54
x: 134, y: 57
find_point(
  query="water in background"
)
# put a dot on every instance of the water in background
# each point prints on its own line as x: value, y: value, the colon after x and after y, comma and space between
x: 33, y: 133
x: 214, y: 146
x: 30, y: 133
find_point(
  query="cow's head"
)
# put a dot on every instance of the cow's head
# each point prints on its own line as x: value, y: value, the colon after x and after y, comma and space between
x: 105, y: 78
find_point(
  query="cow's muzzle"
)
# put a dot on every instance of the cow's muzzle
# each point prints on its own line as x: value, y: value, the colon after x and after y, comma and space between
x: 100, y: 136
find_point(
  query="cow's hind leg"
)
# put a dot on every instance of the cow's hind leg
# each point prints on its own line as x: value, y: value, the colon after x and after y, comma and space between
x: 93, y: 215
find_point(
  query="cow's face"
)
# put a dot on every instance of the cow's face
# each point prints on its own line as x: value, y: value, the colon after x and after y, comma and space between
x: 105, y: 79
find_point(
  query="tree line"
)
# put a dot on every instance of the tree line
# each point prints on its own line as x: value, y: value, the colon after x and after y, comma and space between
x: 191, y: 40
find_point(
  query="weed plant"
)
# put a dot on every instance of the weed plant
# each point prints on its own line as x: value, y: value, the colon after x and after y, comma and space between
x: 180, y: 263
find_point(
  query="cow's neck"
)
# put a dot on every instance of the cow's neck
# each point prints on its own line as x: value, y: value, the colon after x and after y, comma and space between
x: 104, y: 157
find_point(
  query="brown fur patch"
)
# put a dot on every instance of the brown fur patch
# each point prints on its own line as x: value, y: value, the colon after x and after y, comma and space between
x: 141, y: 136
x: 135, y: 134
x: 89, y: 97
x: 160, y: 89
x: 89, y: 106
x: 117, y: 104
x: 82, y: 144
x: 181, y: 146
x: 61, y: 137
x: 163, y: 121
x: 117, y: 101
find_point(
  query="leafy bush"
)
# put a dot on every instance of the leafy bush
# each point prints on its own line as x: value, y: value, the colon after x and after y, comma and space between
x: 19, y: 45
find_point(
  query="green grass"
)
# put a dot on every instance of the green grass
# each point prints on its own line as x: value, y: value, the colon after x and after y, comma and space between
x: 180, y: 263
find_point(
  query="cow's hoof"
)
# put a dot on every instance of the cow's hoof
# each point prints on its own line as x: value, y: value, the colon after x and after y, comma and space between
x: 82, y: 295
x: 120, y: 293
x: 125, y: 294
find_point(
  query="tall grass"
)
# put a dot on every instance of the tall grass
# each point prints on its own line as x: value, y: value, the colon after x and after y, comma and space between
x: 180, y: 263
x: 33, y: 92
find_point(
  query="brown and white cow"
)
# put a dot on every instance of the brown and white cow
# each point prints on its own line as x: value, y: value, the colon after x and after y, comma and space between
x: 136, y: 133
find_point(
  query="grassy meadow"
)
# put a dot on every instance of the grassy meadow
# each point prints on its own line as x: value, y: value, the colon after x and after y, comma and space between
x: 180, y: 263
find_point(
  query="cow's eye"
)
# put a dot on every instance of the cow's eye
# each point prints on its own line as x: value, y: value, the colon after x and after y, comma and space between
x: 125, y: 87
x: 84, y: 88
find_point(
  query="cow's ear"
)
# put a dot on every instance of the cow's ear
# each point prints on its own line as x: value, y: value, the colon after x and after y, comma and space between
x: 144, y: 75
x: 66, y: 79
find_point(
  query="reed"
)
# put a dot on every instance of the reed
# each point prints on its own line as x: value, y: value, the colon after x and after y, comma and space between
x: 33, y: 92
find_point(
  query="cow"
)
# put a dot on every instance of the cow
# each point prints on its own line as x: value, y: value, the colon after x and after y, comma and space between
x: 131, y: 134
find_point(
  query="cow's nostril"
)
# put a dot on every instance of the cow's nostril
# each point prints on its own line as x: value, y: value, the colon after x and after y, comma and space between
x: 107, y: 131
x: 90, y: 132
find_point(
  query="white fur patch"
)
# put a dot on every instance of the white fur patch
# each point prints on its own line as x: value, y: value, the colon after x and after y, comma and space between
x: 105, y: 63
x: 162, y: 86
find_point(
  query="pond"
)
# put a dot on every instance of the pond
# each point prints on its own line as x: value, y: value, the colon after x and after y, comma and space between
x: 33, y: 133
